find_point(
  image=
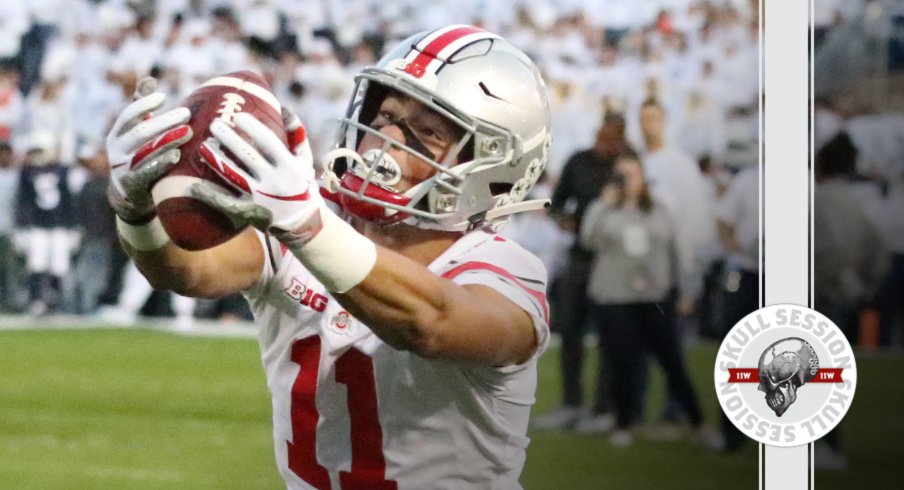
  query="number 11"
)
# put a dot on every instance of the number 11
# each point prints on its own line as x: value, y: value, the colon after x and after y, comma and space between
x: 355, y: 370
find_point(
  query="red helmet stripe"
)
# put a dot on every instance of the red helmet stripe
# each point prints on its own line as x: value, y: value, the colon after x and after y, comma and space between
x: 437, y: 45
x: 432, y: 47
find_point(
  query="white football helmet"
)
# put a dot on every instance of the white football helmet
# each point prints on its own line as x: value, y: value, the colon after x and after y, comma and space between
x: 479, y: 82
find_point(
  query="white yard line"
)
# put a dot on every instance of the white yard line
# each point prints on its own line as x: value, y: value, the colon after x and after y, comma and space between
x: 202, y: 328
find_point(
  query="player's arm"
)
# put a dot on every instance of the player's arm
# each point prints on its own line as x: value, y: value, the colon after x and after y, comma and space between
x: 399, y: 299
x: 141, y: 148
x: 212, y: 273
x: 413, y: 309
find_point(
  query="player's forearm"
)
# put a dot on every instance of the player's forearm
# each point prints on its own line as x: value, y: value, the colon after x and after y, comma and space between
x: 411, y: 308
x: 212, y: 273
x: 400, y: 303
x: 398, y: 299
x: 166, y: 268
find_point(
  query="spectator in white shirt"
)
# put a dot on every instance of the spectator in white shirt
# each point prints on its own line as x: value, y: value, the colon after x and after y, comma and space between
x: 703, y: 130
x: 879, y: 138
x: 13, y: 24
x: 193, y: 57
x: 676, y: 181
x: 48, y: 109
x: 258, y: 19
x: 139, y: 51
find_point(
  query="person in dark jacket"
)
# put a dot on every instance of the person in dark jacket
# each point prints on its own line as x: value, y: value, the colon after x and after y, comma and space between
x: 97, y: 225
x: 583, y: 175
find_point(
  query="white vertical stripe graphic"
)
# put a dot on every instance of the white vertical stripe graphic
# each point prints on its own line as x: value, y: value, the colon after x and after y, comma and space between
x: 786, y: 191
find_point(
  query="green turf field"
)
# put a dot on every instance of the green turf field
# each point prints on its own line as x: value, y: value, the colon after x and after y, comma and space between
x: 116, y: 409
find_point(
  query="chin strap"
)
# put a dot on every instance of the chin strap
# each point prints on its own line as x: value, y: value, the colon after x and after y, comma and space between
x: 518, y: 207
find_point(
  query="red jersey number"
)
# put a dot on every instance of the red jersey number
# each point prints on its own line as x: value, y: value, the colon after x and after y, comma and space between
x: 355, y: 370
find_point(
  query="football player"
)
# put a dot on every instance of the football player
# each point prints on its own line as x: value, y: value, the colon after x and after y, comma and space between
x: 44, y: 210
x: 399, y: 334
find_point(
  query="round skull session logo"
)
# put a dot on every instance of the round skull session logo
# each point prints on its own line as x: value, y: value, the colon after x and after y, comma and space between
x: 785, y: 375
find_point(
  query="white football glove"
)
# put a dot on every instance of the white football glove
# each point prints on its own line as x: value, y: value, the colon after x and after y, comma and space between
x: 277, y: 189
x: 141, y: 148
x: 278, y: 194
x: 297, y: 136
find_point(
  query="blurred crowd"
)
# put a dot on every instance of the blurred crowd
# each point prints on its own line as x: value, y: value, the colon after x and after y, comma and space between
x: 652, y: 237
x: 658, y: 215
x: 68, y: 66
x: 859, y: 169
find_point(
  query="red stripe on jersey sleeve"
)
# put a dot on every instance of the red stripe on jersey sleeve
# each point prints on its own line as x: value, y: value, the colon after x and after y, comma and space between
x: 476, y: 266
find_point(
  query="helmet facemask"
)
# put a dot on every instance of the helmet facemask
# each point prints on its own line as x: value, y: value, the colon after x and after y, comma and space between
x: 370, y: 177
x: 485, y: 88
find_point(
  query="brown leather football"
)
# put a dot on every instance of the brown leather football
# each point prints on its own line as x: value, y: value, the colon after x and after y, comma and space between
x: 190, y: 223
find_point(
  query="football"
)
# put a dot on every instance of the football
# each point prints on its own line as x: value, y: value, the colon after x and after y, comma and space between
x: 190, y: 223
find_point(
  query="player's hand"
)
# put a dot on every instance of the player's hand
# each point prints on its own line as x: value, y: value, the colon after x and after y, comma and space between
x: 141, y: 147
x: 277, y: 192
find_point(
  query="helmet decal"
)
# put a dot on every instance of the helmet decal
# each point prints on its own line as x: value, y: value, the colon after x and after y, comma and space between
x: 435, y: 49
x: 531, y: 175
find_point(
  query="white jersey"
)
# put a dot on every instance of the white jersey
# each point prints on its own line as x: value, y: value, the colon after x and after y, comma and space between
x: 351, y: 412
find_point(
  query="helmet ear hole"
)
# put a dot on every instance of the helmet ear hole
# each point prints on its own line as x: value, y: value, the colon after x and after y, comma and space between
x: 500, y: 188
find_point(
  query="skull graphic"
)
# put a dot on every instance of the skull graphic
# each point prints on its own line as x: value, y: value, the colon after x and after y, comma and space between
x: 784, y: 367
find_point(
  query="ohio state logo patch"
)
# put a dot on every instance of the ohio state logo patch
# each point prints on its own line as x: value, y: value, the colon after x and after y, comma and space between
x: 785, y: 375
x: 342, y: 322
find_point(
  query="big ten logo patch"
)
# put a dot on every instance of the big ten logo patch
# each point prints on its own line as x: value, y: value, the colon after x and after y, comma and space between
x: 306, y: 296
